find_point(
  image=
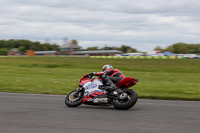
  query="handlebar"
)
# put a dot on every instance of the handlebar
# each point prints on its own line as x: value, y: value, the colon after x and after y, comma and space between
x: 89, y: 76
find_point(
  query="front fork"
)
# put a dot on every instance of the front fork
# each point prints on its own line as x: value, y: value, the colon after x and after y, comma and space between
x: 78, y: 90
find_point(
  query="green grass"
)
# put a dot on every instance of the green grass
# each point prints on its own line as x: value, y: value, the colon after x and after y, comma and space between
x: 159, y: 79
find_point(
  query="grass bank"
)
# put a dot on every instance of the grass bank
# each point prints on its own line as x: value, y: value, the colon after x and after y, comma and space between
x: 159, y: 79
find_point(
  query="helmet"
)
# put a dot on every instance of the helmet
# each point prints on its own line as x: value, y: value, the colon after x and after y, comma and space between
x: 107, y: 66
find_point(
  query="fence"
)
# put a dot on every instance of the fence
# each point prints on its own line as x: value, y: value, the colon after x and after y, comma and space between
x: 139, y: 57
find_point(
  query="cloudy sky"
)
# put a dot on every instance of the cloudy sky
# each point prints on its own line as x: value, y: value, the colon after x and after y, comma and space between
x: 141, y: 24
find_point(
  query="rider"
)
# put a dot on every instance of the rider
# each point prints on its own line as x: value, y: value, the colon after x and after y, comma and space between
x: 110, y: 76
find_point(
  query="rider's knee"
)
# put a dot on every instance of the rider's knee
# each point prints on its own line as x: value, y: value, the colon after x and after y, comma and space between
x: 103, y: 77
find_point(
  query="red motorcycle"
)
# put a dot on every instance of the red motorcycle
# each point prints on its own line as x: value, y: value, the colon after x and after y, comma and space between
x: 91, y: 92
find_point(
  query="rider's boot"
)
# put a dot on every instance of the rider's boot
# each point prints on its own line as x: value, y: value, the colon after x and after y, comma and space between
x: 110, y: 85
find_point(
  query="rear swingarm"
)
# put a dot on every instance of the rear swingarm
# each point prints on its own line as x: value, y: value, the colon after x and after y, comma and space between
x: 117, y: 94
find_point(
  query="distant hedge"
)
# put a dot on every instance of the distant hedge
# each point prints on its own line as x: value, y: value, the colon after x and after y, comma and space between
x: 24, y: 45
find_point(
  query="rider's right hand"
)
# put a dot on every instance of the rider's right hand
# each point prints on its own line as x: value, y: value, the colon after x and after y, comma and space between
x: 92, y: 74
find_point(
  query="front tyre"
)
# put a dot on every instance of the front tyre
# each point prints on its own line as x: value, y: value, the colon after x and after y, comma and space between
x: 128, y: 102
x: 72, y: 100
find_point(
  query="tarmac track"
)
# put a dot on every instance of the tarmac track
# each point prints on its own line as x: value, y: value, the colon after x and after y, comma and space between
x: 30, y: 113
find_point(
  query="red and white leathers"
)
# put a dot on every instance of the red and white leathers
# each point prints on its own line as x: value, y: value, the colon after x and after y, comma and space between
x: 114, y: 75
x: 111, y: 72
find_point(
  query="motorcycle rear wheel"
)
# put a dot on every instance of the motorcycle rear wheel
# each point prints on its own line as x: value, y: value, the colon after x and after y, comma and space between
x: 74, y: 101
x: 130, y: 101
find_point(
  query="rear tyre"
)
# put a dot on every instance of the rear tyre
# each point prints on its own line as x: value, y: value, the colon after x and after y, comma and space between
x: 130, y: 101
x: 73, y: 101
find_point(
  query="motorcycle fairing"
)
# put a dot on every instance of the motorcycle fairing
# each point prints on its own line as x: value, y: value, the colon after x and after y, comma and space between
x: 92, y: 90
x: 127, y: 82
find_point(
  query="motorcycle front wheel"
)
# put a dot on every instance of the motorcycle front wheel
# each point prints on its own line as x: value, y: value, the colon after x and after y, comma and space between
x: 73, y: 100
x: 128, y: 102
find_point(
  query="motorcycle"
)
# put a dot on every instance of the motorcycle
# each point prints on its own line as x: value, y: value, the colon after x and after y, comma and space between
x: 91, y: 91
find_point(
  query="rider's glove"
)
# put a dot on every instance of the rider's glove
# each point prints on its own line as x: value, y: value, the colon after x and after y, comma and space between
x: 93, y: 73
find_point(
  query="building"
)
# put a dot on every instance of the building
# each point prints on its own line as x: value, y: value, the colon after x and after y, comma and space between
x: 68, y: 48
x: 46, y: 53
x: 30, y: 53
x: 14, y: 51
x: 97, y: 53
x: 41, y: 53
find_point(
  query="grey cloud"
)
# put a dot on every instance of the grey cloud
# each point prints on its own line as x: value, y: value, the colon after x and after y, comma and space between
x: 143, y: 22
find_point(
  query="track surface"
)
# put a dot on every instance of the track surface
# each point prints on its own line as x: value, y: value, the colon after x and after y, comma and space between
x: 26, y: 113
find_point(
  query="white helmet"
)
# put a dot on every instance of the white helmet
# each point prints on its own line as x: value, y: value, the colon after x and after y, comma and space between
x: 106, y: 67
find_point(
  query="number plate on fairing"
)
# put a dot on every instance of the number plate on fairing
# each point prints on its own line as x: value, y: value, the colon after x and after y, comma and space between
x: 92, y: 87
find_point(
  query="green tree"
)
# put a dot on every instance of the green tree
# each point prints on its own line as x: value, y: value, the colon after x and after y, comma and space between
x: 22, y: 49
x: 24, y: 45
x: 133, y: 50
x: 198, y: 50
x: 74, y: 42
x: 92, y: 48
x: 127, y: 49
x: 158, y: 48
x: 183, y: 48
x: 123, y: 48
x: 3, y: 51
x: 107, y: 48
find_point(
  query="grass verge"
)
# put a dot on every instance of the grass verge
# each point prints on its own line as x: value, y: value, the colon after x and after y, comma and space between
x: 159, y: 79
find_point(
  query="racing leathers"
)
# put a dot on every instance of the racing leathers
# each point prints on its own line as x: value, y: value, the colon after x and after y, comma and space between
x: 110, y: 77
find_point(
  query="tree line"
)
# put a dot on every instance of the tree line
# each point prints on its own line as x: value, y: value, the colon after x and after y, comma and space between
x: 23, y: 45
x: 123, y: 48
x: 181, y: 48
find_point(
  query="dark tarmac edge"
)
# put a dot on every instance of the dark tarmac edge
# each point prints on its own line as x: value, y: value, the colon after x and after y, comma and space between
x: 139, y: 97
x: 43, y: 113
